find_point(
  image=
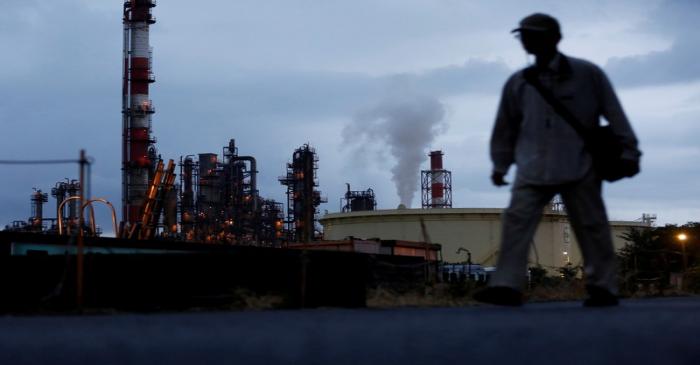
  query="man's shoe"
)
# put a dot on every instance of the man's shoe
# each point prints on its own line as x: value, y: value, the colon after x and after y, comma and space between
x: 600, y: 297
x: 499, y: 295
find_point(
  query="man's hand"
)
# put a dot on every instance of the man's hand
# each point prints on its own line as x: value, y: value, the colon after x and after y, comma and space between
x: 497, y: 179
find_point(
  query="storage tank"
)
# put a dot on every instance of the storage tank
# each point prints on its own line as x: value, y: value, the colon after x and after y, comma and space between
x: 475, y: 229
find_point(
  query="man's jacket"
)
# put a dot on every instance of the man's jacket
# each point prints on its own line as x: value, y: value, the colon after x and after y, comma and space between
x: 545, y: 148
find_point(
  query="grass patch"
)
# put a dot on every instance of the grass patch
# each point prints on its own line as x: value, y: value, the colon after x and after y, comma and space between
x: 460, y: 294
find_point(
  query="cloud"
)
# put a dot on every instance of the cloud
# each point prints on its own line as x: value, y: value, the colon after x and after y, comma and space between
x: 474, y: 76
x: 277, y: 75
x: 679, y: 63
x: 314, y: 93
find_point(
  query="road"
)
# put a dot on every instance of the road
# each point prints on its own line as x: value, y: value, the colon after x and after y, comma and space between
x: 652, y: 331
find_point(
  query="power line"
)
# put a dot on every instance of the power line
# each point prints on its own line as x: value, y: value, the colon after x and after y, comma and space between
x: 37, y: 162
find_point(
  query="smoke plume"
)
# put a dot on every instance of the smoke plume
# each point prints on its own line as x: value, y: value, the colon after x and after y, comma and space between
x: 406, y: 126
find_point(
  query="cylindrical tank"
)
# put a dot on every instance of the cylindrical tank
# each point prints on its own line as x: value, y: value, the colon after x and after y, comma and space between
x: 475, y: 229
x: 38, y: 199
x: 73, y: 190
x: 59, y: 192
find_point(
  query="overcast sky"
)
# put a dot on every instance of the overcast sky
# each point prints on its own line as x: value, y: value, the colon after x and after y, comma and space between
x: 277, y: 74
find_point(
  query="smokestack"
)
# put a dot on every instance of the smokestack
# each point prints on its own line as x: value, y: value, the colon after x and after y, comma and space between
x: 437, y: 186
x: 136, y: 107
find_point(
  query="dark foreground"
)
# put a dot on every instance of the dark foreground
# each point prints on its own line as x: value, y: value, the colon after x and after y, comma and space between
x: 656, y: 331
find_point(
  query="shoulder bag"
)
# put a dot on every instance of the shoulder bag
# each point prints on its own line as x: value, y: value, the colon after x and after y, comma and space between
x: 600, y: 141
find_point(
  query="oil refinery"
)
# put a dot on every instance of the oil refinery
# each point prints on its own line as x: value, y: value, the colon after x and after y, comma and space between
x: 207, y: 199
x: 204, y: 197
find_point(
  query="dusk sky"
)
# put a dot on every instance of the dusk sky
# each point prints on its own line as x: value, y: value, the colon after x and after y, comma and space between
x: 361, y: 81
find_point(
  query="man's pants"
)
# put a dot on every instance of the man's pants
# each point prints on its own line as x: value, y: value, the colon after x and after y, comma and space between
x: 586, y: 211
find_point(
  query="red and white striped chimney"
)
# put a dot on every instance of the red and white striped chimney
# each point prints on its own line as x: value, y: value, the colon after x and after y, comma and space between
x: 136, y: 107
x: 437, y: 187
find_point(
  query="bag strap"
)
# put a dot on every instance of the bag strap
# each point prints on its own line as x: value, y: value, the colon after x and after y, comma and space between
x: 531, y: 75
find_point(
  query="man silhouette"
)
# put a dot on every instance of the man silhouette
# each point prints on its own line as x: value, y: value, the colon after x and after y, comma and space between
x: 551, y: 158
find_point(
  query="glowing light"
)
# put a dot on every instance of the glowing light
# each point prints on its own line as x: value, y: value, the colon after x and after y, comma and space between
x: 682, y: 237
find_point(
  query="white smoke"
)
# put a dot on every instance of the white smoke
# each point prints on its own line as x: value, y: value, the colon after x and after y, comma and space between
x: 406, y: 125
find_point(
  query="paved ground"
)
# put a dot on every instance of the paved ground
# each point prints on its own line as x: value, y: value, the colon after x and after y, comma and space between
x: 658, y: 331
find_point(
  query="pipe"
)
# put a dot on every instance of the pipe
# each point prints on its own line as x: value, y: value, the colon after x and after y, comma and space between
x: 150, y: 200
x: 168, y: 180
x: 91, y: 217
x: 60, y: 216
x: 92, y: 214
x: 253, y: 177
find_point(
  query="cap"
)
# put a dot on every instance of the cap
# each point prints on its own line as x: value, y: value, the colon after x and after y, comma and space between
x: 539, y: 22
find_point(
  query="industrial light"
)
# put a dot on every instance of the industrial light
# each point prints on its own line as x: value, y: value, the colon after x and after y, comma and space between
x: 682, y: 237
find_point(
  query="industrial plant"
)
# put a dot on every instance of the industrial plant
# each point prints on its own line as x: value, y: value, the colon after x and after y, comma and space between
x: 213, y: 198
x: 204, y: 198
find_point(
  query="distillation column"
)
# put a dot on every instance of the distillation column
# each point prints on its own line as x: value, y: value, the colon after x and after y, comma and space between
x: 136, y: 108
